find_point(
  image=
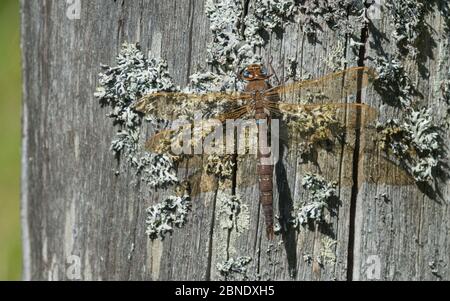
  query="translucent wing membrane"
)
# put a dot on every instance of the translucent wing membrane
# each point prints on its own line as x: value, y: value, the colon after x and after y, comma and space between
x: 331, y: 87
x: 315, y: 116
x: 170, y: 106
x: 306, y: 125
x: 348, y: 115
x: 319, y: 128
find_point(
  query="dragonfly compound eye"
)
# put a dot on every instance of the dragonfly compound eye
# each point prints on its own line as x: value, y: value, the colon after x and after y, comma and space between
x: 247, y: 74
x: 264, y: 71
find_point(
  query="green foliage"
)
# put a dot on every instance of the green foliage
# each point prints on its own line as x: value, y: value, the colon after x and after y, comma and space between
x: 10, y: 99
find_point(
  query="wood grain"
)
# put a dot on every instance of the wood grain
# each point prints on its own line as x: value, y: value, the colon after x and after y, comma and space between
x: 73, y: 204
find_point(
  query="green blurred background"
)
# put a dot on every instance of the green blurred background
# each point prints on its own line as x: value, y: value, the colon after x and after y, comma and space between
x: 10, y: 104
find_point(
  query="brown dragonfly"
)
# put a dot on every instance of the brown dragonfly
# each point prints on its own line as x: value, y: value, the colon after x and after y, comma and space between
x: 311, y: 106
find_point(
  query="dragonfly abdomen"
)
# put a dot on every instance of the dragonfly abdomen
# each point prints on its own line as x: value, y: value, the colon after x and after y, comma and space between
x: 266, y: 195
x: 265, y: 175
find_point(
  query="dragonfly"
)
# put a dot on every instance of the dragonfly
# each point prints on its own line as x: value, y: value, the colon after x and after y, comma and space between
x: 312, y: 108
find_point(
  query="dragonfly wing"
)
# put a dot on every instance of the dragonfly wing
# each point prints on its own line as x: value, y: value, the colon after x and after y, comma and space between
x: 331, y: 127
x: 332, y: 87
x: 171, y: 106
x: 379, y: 168
x: 317, y: 123
x: 309, y: 128
x: 197, y: 177
x: 191, y: 133
x: 349, y: 115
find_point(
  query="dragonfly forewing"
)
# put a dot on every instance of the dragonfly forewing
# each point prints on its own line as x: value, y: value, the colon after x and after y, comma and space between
x: 171, y: 106
x: 329, y: 88
x: 303, y: 123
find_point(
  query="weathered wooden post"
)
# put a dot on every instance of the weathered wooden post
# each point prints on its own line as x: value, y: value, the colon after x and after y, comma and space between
x: 84, y: 209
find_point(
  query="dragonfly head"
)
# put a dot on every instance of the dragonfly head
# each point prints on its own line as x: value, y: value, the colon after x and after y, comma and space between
x: 254, y: 72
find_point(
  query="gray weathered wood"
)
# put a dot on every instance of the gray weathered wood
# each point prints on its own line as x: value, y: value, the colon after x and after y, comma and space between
x: 73, y: 205
x: 410, y: 232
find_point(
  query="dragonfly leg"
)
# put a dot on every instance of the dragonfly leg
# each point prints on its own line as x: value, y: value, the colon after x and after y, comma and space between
x: 274, y: 73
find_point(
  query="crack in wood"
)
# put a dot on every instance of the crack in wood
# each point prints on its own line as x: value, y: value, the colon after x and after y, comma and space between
x: 211, y: 237
x: 355, y: 161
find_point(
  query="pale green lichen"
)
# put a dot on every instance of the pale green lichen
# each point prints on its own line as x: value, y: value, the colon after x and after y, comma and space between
x: 163, y: 217
x: 335, y: 13
x: 415, y: 143
x: 230, y: 208
x: 322, y: 196
x: 228, y: 44
x: 393, y: 83
x: 327, y: 252
x: 292, y: 69
x: 277, y: 225
x: 383, y: 197
x: 238, y: 31
x: 433, y: 267
x: 119, y: 87
x: 307, y: 258
x: 233, y: 214
x: 237, y: 35
x: 220, y: 166
x: 235, y: 268
x: 437, y: 266
x: 444, y: 8
x: 268, y: 17
x: 273, y: 250
x: 445, y: 89
x: 202, y: 82
x: 445, y: 97
x: 335, y: 60
x: 408, y: 17
x: 232, y: 220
